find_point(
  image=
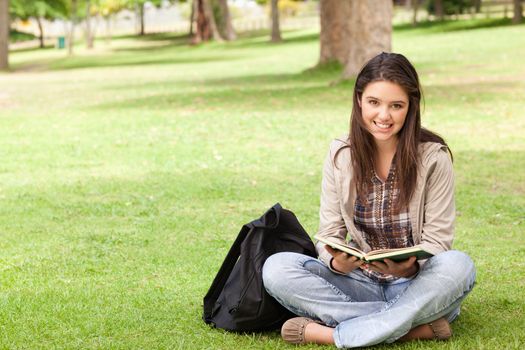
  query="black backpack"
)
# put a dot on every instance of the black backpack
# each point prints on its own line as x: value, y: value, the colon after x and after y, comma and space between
x: 237, y: 300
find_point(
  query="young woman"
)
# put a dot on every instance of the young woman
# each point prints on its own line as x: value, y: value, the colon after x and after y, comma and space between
x: 389, y: 184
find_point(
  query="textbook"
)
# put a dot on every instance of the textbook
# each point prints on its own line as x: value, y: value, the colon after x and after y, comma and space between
x: 397, y: 254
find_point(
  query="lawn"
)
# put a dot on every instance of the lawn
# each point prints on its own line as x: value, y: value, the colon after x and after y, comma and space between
x: 128, y: 171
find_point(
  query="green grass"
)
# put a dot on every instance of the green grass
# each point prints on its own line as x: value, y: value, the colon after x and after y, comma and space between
x: 128, y: 171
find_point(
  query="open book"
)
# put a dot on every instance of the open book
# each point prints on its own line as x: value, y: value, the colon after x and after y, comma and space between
x: 397, y: 254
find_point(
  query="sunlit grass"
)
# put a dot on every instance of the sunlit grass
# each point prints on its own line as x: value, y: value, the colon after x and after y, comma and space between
x: 126, y: 174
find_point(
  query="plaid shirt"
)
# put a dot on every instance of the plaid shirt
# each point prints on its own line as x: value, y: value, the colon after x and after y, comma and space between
x: 382, y: 225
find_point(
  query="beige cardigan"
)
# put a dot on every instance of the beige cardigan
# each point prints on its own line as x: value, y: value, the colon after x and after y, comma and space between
x: 431, y: 209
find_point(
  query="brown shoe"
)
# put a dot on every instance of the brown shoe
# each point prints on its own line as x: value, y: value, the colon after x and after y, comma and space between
x: 292, y: 330
x: 441, y: 329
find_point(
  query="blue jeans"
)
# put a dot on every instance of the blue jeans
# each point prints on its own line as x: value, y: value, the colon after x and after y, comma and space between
x: 365, y: 312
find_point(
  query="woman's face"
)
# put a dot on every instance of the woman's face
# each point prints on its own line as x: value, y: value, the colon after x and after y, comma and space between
x: 384, y: 106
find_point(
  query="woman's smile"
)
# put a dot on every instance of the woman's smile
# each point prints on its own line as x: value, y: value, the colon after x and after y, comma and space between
x: 383, y: 126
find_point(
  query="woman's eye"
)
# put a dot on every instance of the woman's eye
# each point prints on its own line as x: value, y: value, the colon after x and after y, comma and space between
x: 373, y: 102
x: 397, y: 106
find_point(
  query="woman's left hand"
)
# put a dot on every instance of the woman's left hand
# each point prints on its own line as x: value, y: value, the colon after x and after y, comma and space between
x: 404, y: 268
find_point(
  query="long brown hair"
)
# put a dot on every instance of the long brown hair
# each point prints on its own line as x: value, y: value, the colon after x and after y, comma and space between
x: 397, y: 69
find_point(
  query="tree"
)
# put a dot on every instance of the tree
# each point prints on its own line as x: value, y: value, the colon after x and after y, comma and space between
x: 415, y: 6
x: 206, y: 25
x: 108, y: 8
x: 370, y: 33
x: 225, y: 22
x: 477, y: 6
x: 73, y: 18
x: 4, y: 34
x: 211, y: 19
x: 336, y: 18
x: 39, y: 10
x: 140, y: 15
x: 139, y: 6
x: 193, y: 17
x: 276, y: 30
x: 354, y: 31
x: 90, y: 30
x: 438, y: 9
x: 518, y: 12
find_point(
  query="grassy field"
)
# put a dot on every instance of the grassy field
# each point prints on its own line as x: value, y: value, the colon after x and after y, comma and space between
x: 127, y: 172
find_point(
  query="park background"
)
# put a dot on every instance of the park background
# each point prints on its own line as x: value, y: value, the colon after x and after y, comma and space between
x: 127, y: 170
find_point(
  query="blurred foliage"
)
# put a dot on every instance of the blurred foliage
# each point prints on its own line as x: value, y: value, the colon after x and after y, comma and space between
x: 50, y: 9
x: 451, y: 7
x: 15, y: 36
x: 291, y: 8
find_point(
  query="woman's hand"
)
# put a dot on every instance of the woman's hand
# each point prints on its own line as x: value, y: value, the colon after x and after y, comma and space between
x: 343, y: 262
x: 404, y: 268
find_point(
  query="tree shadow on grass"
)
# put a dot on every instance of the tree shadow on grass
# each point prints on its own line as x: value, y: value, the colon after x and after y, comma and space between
x: 263, y: 40
x: 276, y: 97
x: 454, y: 25
x: 174, y: 38
x: 163, y: 51
x: 322, y: 76
x: 277, y: 90
x: 131, y: 60
x: 142, y: 57
x: 157, y: 42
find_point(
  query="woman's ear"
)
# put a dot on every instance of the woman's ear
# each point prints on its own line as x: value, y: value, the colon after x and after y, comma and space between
x: 359, y: 101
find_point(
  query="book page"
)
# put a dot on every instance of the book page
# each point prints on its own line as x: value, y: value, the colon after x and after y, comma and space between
x: 342, y: 247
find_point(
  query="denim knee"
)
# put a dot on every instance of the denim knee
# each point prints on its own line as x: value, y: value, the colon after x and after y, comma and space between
x: 456, y: 265
x: 275, y: 268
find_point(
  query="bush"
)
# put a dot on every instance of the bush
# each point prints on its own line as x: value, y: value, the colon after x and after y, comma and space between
x: 16, y: 36
x: 450, y: 7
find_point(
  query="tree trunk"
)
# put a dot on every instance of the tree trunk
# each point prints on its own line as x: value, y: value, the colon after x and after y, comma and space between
x: 518, y: 12
x: 336, y: 20
x: 208, y: 10
x: 228, y: 32
x: 73, y: 19
x: 206, y: 27
x: 415, y: 6
x: 108, y: 29
x: 477, y: 5
x: 371, y: 33
x: 203, y: 32
x: 276, y: 30
x: 4, y: 34
x: 193, y: 13
x: 141, y: 17
x: 438, y: 10
x: 89, y: 29
x: 40, y: 32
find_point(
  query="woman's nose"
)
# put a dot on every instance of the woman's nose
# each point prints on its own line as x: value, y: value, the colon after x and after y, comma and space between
x: 384, y: 113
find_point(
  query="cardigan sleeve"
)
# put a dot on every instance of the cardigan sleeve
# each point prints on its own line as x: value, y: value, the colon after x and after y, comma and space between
x: 439, y: 206
x: 331, y: 222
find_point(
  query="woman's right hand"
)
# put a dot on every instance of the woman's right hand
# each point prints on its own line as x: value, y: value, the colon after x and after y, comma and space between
x: 343, y: 262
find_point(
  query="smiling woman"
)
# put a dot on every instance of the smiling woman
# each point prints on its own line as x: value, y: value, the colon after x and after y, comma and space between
x: 389, y: 184
x: 384, y: 106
